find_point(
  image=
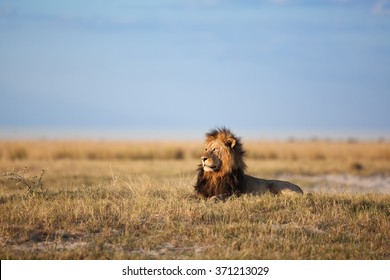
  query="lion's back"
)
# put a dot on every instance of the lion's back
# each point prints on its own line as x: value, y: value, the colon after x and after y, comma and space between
x: 257, y: 186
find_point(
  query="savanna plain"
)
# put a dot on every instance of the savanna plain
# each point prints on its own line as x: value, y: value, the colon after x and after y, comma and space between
x: 133, y: 200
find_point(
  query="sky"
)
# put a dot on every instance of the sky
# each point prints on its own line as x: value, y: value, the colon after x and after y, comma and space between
x: 144, y: 68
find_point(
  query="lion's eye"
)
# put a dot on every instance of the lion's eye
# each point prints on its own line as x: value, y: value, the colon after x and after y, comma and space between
x: 214, y: 149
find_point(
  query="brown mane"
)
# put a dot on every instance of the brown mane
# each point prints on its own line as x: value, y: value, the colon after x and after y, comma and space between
x: 229, y: 179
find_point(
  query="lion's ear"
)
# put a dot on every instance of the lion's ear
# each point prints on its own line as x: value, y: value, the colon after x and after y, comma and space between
x: 230, y: 142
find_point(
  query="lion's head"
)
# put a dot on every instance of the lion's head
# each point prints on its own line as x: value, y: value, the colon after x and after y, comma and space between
x: 222, y: 165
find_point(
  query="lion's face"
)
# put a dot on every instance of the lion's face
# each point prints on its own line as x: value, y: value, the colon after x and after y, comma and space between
x: 211, y: 157
x: 218, y: 155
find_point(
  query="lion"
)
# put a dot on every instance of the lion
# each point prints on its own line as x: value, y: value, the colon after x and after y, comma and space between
x: 221, y: 173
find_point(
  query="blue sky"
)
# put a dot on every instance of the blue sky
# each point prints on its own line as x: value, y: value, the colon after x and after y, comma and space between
x: 130, y: 66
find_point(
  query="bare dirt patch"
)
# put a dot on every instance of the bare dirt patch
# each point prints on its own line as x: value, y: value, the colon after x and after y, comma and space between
x: 336, y: 183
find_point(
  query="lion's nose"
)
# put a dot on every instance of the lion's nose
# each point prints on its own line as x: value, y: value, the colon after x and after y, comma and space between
x: 204, y: 158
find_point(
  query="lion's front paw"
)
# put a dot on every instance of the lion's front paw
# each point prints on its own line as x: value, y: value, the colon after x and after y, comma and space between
x: 219, y: 198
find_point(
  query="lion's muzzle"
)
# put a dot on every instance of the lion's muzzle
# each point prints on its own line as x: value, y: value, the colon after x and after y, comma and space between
x: 209, y: 165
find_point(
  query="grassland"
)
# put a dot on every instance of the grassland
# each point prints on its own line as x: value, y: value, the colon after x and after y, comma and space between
x: 132, y: 200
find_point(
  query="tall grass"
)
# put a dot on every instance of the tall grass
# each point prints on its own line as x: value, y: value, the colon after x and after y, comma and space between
x: 319, y: 150
x: 93, y: 150
x: 122, y: 150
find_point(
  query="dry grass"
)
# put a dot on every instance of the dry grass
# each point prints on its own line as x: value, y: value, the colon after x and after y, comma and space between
x: 94, y: 150
x: 133, y: 150
x: 319, y: 150
x: 135, y: 208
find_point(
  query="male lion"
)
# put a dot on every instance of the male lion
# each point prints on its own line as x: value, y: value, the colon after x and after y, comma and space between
x: 221, y: 173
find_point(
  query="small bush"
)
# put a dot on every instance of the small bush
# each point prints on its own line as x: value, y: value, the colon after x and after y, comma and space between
x: 33, y: 185
x: 18, y: 154
x: 319, y: 156
x: 357, y: 166
x: 179, y: 154
x: 65, y: 155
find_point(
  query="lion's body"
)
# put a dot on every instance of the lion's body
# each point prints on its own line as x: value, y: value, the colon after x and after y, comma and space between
x: 222, y: 172
x: 259, y: 186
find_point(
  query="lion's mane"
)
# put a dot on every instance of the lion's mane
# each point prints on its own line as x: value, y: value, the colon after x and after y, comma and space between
x: 229, y: 179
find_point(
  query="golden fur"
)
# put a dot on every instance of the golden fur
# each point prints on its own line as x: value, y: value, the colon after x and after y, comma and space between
x: 222, y: 171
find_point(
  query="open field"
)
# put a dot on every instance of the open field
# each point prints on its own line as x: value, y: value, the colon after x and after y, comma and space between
x: 132, y: 200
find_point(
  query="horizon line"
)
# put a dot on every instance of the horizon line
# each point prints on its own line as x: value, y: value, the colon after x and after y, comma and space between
x: 41, y: 133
